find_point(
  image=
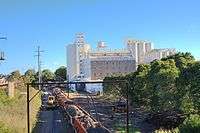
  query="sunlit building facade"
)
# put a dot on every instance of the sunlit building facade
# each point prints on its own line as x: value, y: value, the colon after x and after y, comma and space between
x: 84, y: 63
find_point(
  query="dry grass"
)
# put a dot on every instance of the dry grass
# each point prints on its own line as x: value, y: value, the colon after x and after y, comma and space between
x: 13, y: 114
x: 167, y: 131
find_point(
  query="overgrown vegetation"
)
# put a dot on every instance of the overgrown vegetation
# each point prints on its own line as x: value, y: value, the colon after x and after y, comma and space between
x: 13, y: 112
x: 170, y: 84
x: 122, y: 129
x: 5, y: 129
x: 191, y: 124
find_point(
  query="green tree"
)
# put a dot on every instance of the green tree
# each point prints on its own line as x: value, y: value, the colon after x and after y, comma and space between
x: 47, y: 75
x: 162, y: 85
x: 117, y: 89
x: 15, y: 75
x: 182, y: 60
x: 18, y: 79
x: 139, y: 92
x: 190, y: 85
x: 29, y: 76
x: 166, y: 84
x: 60, y: 73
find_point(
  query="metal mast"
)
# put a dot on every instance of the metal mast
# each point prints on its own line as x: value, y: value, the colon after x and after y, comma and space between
x: 39, y: 65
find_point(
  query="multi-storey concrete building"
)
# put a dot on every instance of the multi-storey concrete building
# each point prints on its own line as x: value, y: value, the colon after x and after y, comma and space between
x: 83, y: 63
x: 73, y: 64
x: 100, y: 64
x: 86, y: 64
x: 139, y: 49
x: 76, y: 53
x: 157, y: 54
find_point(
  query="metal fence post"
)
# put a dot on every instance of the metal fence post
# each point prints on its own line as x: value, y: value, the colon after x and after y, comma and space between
x: 127, y: 108
x: 28, y: 110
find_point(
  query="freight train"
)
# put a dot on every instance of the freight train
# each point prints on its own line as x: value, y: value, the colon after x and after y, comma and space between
x: 78, y: 117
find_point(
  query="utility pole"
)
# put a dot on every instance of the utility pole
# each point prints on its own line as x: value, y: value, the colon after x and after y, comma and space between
x: 38, y: 55
x: 39, y: 65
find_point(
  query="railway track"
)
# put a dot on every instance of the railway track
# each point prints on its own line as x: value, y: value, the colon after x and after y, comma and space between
x: 101, y: 110
x: 81, y: 120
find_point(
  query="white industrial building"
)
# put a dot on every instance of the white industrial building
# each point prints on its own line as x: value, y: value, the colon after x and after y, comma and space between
x: 157, y: 54
x: 85, y: 64
x: 139, y: 49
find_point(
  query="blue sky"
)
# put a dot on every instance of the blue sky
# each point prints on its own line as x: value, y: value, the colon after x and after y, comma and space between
x: 52, y: 24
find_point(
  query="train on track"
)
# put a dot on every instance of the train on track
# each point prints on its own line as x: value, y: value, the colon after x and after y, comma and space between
x: 82, y: 121
x: 51, y: 103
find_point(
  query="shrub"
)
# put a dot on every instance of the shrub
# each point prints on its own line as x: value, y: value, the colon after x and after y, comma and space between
x: 191, y: 125
x: 4, y: 99
x: 4, y: 129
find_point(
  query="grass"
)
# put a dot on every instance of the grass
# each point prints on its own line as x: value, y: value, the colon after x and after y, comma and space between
x: 13, y: 112
x: 167, y: 131
x: 190, y: 125
x: 5, y: 129
x: 110, y: 97
x: 122, y: 129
